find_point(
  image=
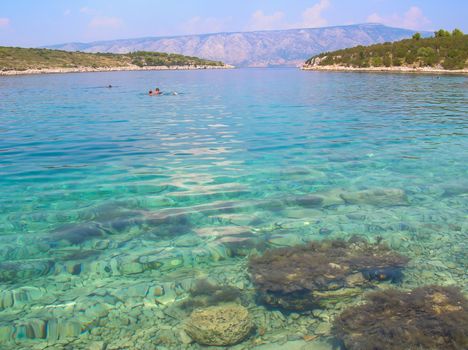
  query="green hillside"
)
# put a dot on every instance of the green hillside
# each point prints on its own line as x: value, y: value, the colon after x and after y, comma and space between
x: 444, y: 50
x: 14, y: 58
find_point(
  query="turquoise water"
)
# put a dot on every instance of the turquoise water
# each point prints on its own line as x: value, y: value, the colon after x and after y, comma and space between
x: 112, y: 201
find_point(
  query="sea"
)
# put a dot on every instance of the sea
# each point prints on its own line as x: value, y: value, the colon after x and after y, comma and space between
x: 116, y: 206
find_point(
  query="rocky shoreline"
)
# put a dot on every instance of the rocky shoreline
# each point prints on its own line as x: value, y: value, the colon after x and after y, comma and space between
x: 402, y: 69
x: 108, y: 69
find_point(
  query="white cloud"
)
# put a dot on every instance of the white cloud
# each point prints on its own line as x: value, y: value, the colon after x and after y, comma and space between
x: 4, y: 22
x: 262, y: 21
x: 87, y: 10
x: 106, y: 22
x: 375, y: 18
x: 413, y: 18
x: 312, y: 16
x: 197, y: 25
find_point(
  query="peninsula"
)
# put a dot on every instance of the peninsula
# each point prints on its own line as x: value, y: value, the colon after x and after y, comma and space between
x: 445, y: 52
x: 14, y: 61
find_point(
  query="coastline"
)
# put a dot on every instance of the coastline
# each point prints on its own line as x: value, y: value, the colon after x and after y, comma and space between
x: 107, y: 69
x: 420, y: 70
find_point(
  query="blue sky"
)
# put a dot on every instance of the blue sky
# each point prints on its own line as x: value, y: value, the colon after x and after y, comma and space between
x: 43, y: 22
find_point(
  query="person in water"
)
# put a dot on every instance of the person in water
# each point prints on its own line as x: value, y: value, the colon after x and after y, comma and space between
x: 155, y: 92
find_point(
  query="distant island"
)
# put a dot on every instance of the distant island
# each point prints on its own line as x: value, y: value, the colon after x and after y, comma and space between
x: 445, y: 52
x: 14, y: 60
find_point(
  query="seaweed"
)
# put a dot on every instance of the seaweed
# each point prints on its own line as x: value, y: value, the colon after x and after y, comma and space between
x: 289, y: 277
x: 429, y: 317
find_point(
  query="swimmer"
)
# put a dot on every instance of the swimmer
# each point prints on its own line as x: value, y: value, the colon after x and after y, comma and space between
x: 109, y: 86
x: 150, y: 93
x: 157, y: 92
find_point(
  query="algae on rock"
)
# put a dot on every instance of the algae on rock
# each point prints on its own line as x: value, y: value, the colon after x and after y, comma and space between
x: 430, y: 317
x: 301, y: 277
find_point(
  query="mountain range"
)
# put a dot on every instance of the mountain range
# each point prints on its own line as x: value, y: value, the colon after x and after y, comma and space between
x: 289, y: 47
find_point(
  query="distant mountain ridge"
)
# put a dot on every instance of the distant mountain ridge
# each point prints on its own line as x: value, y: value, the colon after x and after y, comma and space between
x: 289, y: 47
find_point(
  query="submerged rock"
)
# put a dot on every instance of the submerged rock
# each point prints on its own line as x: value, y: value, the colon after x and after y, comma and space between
x: 431, y: 317
x: 307, y: 201
x: 50, y: 328
x: 12, y: 271
x: 302, y: 277
x: 222, y: 325
x: 381, y: 197
x: 204, y: 293
x: 455, y: 189
x: 20, y: 296
x: 76, y: 234
x: 223, y: 231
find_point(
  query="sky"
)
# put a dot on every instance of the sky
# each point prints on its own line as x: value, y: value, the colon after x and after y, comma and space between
x: 32, y: 23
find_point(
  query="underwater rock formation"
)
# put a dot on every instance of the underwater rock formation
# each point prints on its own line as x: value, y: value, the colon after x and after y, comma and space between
x: 13, y: 271
x: 381, y: 197
x: 221, y: 325
x: 431, y: 317
x: 307, y: 276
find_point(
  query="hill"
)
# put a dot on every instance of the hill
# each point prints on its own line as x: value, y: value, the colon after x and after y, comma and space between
x: 443, y: 51
x: 254, y: 49
x: 21, y: 59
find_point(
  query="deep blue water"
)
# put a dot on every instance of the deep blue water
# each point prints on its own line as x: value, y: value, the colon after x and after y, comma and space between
x: 117, y: 174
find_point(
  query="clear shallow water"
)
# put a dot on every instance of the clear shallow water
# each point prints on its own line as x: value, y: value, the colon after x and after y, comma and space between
x: 107, y: 195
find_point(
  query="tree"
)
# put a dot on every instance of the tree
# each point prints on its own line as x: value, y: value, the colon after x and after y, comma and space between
x: 457, y: 33
x: 387, y: 60
x: 441, y: 33
x: 377, y: 61
x: 427, y: 56
x: 455, y: 59
x: 416, y: 36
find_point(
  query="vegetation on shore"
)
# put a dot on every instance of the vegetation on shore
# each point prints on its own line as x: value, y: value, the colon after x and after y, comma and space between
x: 21, y: 59
x: 444, y: 50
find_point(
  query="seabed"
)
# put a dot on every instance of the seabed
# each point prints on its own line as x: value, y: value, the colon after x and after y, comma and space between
x: 117, y: 284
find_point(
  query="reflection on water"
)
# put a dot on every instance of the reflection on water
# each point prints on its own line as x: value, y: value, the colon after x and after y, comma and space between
x: 135, y: 223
